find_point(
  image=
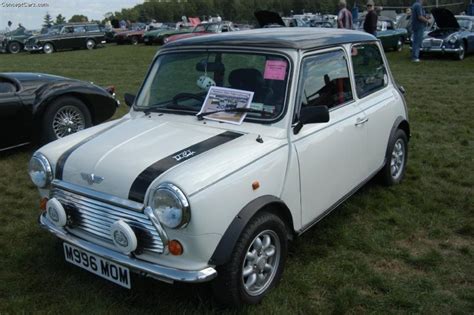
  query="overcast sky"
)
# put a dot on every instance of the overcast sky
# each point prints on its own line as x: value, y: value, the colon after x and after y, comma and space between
x: 32, y: 17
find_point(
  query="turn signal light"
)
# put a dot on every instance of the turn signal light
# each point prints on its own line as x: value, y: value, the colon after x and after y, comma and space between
x: 175, y: 247
x: 255, y: 185
x: 43, y: 203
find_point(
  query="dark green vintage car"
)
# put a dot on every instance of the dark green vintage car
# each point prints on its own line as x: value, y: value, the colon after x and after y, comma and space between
x: 13, y: 42
x: 158, y: 36
x: 390, y: 36
x: 70, y: 36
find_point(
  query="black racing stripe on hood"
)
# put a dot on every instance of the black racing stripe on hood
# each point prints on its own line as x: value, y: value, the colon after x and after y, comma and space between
x: 143, y: 181
x: 58, y: 174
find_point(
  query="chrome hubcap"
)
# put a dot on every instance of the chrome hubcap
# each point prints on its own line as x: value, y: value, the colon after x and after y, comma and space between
x: 261, y: 262
x: 48, y: 49
x: 68, y: 120
x: 398, y: 159
x: 90, y: 44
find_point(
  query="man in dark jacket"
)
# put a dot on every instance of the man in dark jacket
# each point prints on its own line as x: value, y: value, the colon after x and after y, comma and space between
x: 370, y: 22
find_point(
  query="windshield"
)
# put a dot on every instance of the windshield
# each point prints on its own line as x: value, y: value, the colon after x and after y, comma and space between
x: 178, y: 82
x: 211, y: 28
x: 464, y: 23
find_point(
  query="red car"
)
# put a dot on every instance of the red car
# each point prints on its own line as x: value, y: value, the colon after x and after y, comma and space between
x: 205, y: 29
x: 132, y: 36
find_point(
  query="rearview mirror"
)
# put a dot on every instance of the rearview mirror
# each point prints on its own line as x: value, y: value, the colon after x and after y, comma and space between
x: 311, y: 115
x: 206, y: 66
x: 129, y: 99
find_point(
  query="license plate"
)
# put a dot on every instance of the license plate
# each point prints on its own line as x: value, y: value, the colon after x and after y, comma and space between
x: 98, y: 265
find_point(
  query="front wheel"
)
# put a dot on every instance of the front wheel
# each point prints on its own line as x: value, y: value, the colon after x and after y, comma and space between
x: 462, y: 52
x: 63, y: 117
x: 399, y: 46
x: 394, y: 170
x: 14, y: 47
x: 256, y: 264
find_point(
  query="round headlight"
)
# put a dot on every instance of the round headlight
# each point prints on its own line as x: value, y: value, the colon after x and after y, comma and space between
x: 453, y: 39
x: 170, y: 206
x: 40, y: 170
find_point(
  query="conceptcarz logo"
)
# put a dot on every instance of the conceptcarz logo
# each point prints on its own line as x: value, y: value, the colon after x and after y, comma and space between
x: 92, y: 178
x: 183, y: 155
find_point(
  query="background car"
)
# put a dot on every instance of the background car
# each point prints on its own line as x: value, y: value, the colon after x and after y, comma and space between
x: 42, y: 107
x: 454, y: 35
x: 71, y: 36
x: 205, y: 29
x: 390, y: 36
x: 133, y: 35
x: 14, y: 41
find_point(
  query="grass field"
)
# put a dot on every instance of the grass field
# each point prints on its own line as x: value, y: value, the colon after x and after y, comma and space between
x: 406, y: 249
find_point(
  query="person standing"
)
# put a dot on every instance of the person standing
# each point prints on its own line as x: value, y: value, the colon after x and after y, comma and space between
x: 370, y: 22
x: 418, y: 22
x: 9, y: 27
x: 344, y: 18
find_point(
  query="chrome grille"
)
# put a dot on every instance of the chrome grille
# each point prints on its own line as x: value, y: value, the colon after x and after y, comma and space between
x: 432, y: 42
x: 96, y: 217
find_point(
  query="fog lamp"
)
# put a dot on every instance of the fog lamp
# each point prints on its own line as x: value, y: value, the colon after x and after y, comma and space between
x: 123, y: 237
x: 56, y: 213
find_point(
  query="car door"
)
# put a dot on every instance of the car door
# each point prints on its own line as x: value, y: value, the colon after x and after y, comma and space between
x: 14, y: 128
x: 375, y: 98
x: 330, y: 155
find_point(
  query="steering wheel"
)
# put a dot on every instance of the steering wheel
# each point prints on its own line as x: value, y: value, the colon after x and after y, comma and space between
x: 181, y: 96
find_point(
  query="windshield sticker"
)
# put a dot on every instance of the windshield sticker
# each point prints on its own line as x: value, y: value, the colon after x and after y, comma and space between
x: 222, y: 101
x: 275, y: 70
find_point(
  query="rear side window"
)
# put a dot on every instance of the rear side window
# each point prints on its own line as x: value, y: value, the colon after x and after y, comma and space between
x: 369, y: 70
x: 92, y: 28
x: 325, y: 80
x: 79, y: 29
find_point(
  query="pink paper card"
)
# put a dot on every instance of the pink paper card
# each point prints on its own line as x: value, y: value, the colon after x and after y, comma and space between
x: 275, y: 70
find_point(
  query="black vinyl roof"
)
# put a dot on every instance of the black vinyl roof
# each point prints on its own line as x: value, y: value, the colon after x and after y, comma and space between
x: 280, y: 37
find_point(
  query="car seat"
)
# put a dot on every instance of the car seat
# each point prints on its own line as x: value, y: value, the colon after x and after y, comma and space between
x: 250, y: 79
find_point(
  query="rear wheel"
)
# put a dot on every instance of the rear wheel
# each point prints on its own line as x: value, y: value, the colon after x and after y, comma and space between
x: 63, y: 117
x: 256, y: 264
x: 394, y: 170
x: 48, y: 48
x: 14, y: 47
x: 90, y: 44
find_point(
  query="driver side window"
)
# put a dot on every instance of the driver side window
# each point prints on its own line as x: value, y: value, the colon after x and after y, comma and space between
x: 325, y: 80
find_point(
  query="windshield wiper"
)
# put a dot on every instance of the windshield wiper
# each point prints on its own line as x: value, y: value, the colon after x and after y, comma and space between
x: 233, y: 110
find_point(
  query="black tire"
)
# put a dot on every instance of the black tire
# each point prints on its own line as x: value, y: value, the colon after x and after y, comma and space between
x: 14, y: 47
x: 90, y: 44
x: 390, y: 173
x: 49, y: 130
x: 399, y: 46
x: 228, y: 287
x: 462, y: 53
x: 134, y: 40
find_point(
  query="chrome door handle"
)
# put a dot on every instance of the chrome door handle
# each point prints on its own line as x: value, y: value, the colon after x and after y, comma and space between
x: 361, y: 121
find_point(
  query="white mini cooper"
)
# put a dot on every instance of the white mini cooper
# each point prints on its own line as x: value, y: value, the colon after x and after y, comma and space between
x: 167, y: 193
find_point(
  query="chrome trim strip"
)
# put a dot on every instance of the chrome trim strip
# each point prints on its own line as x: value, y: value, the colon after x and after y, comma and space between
x: 164, y: 237
x: 14, y: 146
x: 86, y: 192
x: 159, y: 272
x: 440, y: 49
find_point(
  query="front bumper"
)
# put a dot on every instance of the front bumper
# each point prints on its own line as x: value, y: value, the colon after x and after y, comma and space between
x: 162, y: 273
x: 441, y: 50
x: 33, y: 48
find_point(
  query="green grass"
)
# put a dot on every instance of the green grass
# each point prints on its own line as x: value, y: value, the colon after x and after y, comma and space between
x: 404, y: 249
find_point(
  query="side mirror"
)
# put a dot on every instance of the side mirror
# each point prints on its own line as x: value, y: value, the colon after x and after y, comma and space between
x: 312, y: 115
x: 402, y: 89
x: 129, y: 99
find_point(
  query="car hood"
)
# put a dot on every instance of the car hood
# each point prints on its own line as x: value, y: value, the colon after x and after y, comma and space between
x: 268, y: 18
x: 30, y: 76
x: 135, y: 152
x: 445, y: 18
